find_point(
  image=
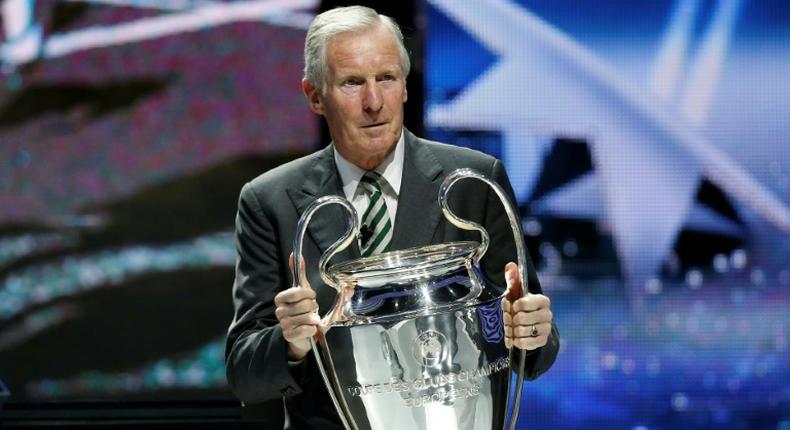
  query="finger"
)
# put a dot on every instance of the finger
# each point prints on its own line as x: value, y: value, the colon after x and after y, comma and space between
x: 293, y: 321
x: 307, y: 306
x: 530, y: 343
x: 523, y: 336
x: 522, y: 331
x: 528, y: 330
x: 506, y: 306
x: 300, y: 333
x: 533, y: 317
x: 293, y: 295
x: 295, y: 324
x: 531, y: 302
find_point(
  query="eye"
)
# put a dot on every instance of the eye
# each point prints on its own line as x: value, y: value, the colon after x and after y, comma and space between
x: 350, y: 82
x: 388, y: 77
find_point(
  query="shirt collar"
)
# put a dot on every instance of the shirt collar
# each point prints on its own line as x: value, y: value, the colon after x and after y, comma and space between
x: 391, y: 169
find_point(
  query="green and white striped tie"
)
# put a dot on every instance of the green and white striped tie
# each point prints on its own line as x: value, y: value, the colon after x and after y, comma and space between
x: 377, y: 227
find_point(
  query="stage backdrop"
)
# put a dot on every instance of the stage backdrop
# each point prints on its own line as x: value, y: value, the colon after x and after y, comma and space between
x: 649, y: 146
x: 647, y: 143
x: 127, y: 129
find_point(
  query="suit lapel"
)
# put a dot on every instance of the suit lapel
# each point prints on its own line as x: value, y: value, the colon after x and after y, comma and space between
x: 329, y: 222
x: 418, y: 208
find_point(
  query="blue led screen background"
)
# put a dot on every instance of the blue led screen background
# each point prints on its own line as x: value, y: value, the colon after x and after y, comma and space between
x: 648, y: 144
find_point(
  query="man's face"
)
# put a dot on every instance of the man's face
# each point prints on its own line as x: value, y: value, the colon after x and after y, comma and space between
x: 364, y: 95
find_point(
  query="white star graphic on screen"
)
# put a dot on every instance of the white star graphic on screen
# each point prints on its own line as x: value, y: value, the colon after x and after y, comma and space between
x: 648, y: 157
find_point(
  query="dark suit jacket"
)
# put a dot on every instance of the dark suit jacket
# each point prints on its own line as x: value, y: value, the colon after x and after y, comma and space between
x: 269, y: 208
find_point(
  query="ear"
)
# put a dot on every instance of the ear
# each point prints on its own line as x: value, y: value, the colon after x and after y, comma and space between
x: 405, y: 93
x: 313, y: 95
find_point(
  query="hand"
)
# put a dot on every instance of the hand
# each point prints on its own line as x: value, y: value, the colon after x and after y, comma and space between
x: 527, y: 319
x: 296, y: 311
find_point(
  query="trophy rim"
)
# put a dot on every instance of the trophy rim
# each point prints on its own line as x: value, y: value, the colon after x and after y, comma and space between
x: 405, y: 263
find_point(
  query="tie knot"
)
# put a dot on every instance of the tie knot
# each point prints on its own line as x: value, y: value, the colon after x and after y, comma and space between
x: 371, y: 181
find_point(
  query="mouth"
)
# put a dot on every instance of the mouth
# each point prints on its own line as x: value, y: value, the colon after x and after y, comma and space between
x: 374, y: 125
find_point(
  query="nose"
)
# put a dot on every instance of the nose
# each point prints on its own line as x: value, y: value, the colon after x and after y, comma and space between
x: 372, y: 99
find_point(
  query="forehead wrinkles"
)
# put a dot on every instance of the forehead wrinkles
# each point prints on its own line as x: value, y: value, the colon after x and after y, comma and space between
x: 354, y: 67
x: 368, y: 51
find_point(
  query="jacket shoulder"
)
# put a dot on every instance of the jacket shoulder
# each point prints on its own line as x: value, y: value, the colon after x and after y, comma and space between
x: 285, y: 175
x: 458, y: 156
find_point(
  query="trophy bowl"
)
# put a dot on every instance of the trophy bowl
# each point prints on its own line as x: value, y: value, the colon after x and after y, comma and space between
x: 415, y: 338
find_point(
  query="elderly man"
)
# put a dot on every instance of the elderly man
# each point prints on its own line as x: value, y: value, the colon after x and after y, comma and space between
x: 355, y: 71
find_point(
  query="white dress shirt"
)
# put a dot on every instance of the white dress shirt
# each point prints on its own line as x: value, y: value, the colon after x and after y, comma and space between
x: 391, y: 169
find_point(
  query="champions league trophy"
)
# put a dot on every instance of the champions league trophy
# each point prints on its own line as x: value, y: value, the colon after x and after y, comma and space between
x: 415, y: 339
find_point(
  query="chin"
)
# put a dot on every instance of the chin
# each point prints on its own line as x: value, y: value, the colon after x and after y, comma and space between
x: 383, y: 137
x: 381, y: 146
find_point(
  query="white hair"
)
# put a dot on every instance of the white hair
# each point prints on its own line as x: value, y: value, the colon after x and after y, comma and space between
x: 344, y: 20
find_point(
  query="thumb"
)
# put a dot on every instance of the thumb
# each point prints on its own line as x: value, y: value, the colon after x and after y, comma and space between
x: 513, y: 280
x: 291, y: 264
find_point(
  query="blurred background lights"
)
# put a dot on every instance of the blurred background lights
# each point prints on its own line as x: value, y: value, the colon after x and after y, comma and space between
x: 784, y: 277
x: 531, y: 227
x: 694, y: 279
x: 680, y: 402
x: 570, y: 248
x: 721, y: 263
x: 757, y: 276
x: 653, y: 286
x: 738, y: 259
x: 609, y: 361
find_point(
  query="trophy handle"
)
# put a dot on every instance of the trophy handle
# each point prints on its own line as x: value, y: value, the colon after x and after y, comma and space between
x: 521, y: 251
x: 352, y: 230
x: 463, y: 224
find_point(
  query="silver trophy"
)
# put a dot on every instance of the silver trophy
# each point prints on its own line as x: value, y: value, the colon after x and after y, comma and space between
x: 415, y: 339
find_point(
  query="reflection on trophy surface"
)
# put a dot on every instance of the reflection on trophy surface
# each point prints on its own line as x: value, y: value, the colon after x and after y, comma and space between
x: 416, y: 337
